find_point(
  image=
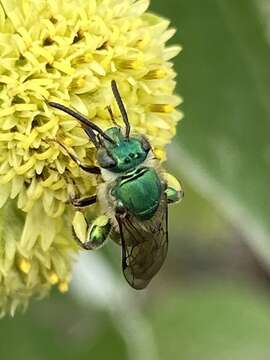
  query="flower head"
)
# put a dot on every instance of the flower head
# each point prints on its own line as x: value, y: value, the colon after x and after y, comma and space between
x: 68, y: 52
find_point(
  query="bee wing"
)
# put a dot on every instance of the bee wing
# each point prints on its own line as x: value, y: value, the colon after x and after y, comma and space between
x: 144, y: 245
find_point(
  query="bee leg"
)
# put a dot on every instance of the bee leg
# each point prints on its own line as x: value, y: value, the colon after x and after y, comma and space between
x: 75, y: 200
x: 120, y: 209
x: 84, y: 201
x: 115, y: 237
x: 120, y: 214
x: 174, y: 191
x: 87, y: 168
x: 173, y: 195
x: 90, y: 236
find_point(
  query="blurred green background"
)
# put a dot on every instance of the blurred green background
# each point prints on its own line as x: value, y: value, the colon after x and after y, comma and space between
x: 211, y: 299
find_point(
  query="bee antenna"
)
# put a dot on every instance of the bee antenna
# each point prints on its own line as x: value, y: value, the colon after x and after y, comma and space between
x: 112, y: 117
x: 121, y: 106
x: 88, y: 125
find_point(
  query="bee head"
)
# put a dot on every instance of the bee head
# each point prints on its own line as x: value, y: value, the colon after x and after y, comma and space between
x: 116, y: 150
x: 124, y: 154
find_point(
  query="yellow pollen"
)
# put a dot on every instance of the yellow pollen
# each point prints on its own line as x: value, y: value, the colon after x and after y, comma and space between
x: 87, y: 57
x: 68, y: 141
x: 72, y: 164
x: 78, y: 83
x: 53, y: 278
x: 156, y: 74
x: 141, y: 44
x: 161, y: 108
x: 24, y: 265
x: 63, y: 286
x: 159, y: 154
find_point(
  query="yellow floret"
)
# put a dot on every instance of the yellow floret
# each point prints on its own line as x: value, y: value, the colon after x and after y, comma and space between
x: 68, y: 52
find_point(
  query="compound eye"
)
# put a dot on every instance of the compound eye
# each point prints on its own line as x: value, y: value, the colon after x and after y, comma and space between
x: 105, y: 160
x: 145, y: 144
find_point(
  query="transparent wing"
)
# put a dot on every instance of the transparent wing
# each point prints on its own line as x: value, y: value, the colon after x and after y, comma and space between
x: 144, y: 245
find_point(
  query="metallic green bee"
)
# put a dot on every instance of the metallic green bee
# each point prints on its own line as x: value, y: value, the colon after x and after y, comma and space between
x: 134, y: 193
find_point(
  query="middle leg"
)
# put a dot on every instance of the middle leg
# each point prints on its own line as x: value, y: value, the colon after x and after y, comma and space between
x: 84, y: 201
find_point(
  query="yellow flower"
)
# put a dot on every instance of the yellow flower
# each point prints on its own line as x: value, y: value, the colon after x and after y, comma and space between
x: 68, y: 52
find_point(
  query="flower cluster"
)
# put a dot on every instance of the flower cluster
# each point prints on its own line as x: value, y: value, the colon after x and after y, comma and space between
x: 68, y: 52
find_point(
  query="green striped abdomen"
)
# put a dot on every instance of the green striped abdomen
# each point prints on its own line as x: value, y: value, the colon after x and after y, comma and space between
x: 140, y: 192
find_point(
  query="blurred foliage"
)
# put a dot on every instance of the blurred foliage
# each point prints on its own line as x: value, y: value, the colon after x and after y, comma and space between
x: 57, y: 328
x: 224, y: 78
x: 212, y: 321
x: 196, y: 312
x: 202, y: 321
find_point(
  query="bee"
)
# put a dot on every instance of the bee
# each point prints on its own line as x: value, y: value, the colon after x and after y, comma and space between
x: 133, y: 193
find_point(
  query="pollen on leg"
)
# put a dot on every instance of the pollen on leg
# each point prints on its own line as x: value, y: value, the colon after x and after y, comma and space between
x: 172, y: 181
x: 99, y: 231
x: 79, y: 226
x: 102, y: 220
x: 174, y: 189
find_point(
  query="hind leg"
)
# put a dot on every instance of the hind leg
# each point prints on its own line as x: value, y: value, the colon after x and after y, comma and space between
x: 174, y: 190
x: 90, y: 235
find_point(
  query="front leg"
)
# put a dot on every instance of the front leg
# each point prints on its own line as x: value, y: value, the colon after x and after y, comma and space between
x: 87, y: 168
x: 90, y: 236
x: 174, y: 191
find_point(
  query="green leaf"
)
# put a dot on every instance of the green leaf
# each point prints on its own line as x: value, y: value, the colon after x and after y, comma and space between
x: 222, y: 146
